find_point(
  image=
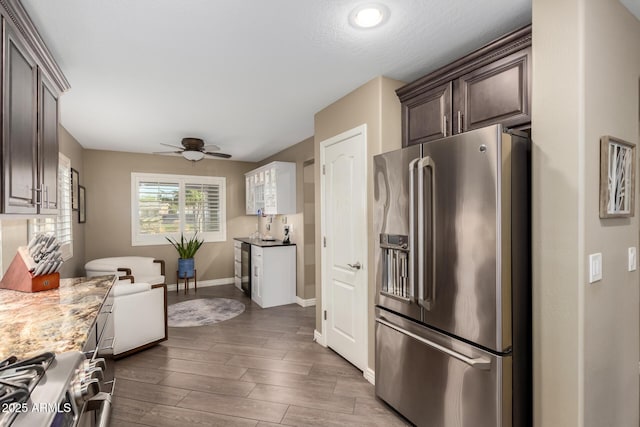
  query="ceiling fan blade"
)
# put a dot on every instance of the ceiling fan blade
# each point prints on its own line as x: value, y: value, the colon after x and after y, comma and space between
x: 211, y: 147
x: 172, y: 146
x: 223, y: 155
x: 167, y: 152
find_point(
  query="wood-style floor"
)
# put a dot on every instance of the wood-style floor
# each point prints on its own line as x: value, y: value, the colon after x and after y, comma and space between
x: 261, y: 368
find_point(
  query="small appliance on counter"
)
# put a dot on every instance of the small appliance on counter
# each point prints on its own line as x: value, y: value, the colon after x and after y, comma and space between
x: 35, y: 267
x: 286, y: 240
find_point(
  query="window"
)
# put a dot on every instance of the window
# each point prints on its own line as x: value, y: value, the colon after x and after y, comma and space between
x: 61, y: 226
x: 166, y: 205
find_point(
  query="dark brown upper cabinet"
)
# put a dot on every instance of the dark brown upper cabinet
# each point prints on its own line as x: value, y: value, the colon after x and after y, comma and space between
x: 490, y: 85
x: 48, y: 145
x: 20, y: 126
x: 31, y: 84
x: 428, y: 115
x: 496, y: 93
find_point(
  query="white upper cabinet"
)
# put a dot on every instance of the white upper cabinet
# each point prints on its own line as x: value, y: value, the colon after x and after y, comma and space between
x: 272, y: 189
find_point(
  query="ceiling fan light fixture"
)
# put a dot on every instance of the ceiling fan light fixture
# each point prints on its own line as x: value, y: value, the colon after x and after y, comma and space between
x: 194, y: 156
x: 369, y: 15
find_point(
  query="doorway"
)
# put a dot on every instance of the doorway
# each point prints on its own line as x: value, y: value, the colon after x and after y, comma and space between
x: 344, y: 244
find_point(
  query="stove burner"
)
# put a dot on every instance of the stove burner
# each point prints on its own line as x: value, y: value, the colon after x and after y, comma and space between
x: 43, y: 359
x: 8, y: 361
x: 18, y: 378
x: 12, y: 393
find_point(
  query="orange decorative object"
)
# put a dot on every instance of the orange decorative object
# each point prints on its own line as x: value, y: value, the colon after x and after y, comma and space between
x: 19, y: 278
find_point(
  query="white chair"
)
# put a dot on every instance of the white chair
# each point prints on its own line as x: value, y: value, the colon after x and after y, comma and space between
x: 133, y: 268
x: 139, y: 304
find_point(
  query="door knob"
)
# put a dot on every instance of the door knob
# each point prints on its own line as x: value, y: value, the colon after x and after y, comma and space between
x: 357, y: 266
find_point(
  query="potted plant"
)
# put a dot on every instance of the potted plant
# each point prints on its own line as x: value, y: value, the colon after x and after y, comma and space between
x: 186, y: 251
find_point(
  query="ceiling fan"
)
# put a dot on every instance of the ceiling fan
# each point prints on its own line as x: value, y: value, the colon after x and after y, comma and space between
x: 194, y: 149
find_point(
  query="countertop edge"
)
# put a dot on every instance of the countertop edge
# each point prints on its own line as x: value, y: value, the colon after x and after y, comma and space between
x: 263, y: 243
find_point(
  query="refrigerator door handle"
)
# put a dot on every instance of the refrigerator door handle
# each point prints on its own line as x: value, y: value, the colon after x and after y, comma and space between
x: 429, y: 300
x: 412, y: 230
x: 475, y: 362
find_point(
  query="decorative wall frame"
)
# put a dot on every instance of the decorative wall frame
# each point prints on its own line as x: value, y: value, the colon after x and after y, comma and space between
x: 75, y: 182
x: 82, y: 203
x: 617, y: 177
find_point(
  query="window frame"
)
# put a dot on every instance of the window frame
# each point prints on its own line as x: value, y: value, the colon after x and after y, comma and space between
x: 66, y: 248
x: 138, y: 239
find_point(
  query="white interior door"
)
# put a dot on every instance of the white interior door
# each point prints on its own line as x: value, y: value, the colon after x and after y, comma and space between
x: 344, y: 257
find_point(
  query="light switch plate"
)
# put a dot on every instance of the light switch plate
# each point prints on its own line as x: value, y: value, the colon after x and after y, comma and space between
x: 632, y: 259
x: 595, y: 267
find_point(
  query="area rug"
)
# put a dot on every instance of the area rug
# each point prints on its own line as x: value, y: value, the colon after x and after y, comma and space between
x: 200, y: 312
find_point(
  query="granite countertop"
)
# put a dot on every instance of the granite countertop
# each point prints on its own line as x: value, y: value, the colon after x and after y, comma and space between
x: 58, y: 320
x: 263, y: 243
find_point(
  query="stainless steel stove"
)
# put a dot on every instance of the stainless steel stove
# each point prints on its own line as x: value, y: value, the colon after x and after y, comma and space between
x: 53, y: 390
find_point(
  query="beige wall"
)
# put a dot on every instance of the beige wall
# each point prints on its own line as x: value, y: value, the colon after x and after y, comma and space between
x: 71, y: 148
x: 612, y: 73
x: 14, y: 231
x: 107, y: 178
x: 376, y: 105
x: 586, y: 67
x: 298, y: 154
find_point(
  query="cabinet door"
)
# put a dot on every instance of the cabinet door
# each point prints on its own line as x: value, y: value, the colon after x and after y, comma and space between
x: 19, y: 126
x: 249, y: 195
x: 496, y: 93
x: 256, y: 278
x: 48, y: 147
x: 427, y: 116
x: 270, y: 206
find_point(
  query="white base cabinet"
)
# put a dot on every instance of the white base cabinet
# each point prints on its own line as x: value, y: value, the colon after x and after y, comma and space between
x: 273, y: 275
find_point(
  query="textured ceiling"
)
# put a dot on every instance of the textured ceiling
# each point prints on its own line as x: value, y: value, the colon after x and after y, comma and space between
x: 246, y: 75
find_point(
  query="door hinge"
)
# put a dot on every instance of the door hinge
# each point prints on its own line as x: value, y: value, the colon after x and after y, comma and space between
x: 324, y: 170
x: 325, y: 315
x: 324, y: 242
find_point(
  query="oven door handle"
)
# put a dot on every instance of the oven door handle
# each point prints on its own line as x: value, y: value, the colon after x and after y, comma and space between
x: 101, y: 402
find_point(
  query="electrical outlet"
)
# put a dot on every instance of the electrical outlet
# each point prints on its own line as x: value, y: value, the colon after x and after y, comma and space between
x: 595, y: 267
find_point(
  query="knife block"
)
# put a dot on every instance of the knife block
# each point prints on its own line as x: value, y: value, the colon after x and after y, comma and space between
x: 19, y: 278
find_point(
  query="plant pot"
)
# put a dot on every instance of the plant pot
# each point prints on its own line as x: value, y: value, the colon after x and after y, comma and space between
x: 186, y: 267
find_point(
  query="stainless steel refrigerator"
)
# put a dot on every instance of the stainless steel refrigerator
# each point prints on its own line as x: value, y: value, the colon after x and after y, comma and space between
x: 453, y: 307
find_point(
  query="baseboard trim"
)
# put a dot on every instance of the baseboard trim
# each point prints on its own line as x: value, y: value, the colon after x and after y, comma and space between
x: 370, y: 375
x: 319, y: 338
x: 306, y: 302
x: 204, y: 283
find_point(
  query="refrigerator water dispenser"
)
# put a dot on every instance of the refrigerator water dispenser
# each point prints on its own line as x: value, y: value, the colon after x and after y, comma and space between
x: 395, y: 264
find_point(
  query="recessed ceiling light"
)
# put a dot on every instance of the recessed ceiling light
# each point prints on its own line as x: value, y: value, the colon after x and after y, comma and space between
x: 369, y: 16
